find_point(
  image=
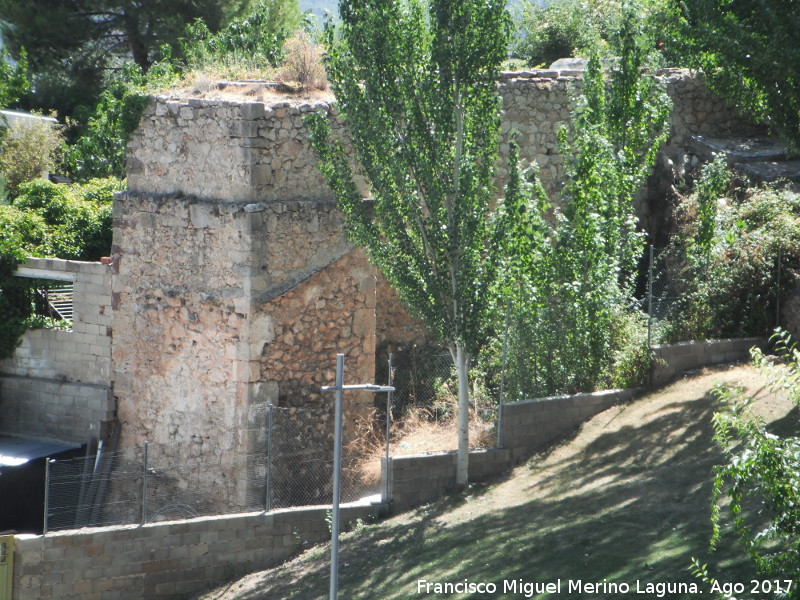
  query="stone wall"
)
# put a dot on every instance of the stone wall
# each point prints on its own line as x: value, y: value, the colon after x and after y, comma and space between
x: 58, y: 383
x: 164, y: 560
x: 234, y: 286
x: 240, y: 149
x: 225, y: 150
x: 672, y: 360
x: 224, y: 308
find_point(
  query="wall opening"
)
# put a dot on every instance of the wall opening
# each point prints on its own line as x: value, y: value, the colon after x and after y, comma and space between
x: 49, y: 297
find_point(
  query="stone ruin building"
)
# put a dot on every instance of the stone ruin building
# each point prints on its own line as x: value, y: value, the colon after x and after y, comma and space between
x: 231, y: 286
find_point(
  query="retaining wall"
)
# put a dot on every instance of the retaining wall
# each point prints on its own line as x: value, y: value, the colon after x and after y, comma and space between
x: 164, y: 560
x: 532, y: 425
x: 672, y: 360
x: 58, y: 383
x: 528, y: 425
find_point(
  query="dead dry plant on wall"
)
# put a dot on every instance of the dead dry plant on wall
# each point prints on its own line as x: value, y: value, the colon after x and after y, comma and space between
x: 418, y: 431
x: 302, y: 68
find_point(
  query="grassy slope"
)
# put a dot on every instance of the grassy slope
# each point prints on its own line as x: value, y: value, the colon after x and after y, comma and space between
x: 625, y: 500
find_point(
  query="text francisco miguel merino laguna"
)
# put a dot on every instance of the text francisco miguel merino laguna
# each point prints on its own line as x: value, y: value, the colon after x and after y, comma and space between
x: 528, y: 589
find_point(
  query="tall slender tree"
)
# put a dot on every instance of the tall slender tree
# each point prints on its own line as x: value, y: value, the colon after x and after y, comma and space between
x: 415, y: 83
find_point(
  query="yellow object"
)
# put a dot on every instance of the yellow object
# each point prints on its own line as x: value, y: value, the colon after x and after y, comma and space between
x: 6, y: 566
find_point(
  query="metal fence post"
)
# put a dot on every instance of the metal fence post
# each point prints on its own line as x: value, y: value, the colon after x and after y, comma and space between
x: 778, y: 293
x: 503, y: 380
x: 337, y: 468
x: 388, y: 426
x: 144, y: 484
x: 650, y: 300
x: 268, y: 490
x: 46, y: 493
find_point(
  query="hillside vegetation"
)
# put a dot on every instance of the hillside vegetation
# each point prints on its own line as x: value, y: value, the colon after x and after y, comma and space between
x: 625, y: 501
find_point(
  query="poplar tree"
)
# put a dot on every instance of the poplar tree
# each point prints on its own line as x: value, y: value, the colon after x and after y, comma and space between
x: 415, y: 84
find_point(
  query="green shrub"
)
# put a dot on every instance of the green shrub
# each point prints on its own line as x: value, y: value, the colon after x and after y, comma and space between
x: 569, y: 28
x: 27, y: 150
x: 732, y: 239
x: 554, y: 30
x: 760, y: 478
x: 100, y: 150
x: 77, y: 220
x: 26, y: 231
x: 251, y: 43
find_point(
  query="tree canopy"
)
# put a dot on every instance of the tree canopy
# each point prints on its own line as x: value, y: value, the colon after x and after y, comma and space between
x: 415, y: 85
x: 750, y: 52
x: 70, y: 45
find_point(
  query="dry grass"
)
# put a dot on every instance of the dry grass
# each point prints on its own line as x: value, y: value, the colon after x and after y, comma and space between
x: 416, y: 433
x: 302, y: 69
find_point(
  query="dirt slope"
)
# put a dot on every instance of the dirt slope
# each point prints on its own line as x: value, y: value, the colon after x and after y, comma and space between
x: 625, y: 501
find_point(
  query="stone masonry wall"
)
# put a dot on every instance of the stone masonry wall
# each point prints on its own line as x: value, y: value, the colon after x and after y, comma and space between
x: 58, y: 383
x: 235, y: 150
x: 234, y: 286
x: 225, y: 308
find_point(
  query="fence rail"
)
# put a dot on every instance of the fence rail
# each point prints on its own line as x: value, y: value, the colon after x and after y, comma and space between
x: 159, y: 482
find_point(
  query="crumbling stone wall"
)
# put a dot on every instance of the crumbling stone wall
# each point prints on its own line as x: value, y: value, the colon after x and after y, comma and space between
x: 537, y: 104
x: 235, y: 286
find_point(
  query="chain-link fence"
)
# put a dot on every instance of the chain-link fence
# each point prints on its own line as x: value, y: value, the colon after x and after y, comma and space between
x: 292, y: 467
x: 669, y: 283
x: 692, y: 298
x: 423, y: 378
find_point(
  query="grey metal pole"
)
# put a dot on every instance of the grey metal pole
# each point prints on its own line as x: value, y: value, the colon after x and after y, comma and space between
x: 503, y: 380
x: 650, y: 299
x: 778, y: 294
x: 388, y: 424
x: 46, y: 493
x: 268, y: 491
x: 144, y: 484
x: 337, y: 469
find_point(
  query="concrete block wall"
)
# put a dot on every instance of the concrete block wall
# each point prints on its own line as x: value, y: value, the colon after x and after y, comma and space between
x: 531, y: 425
x: 164, y: 560
x: 672, y: 360
x: 528, y: 426
x: 58, y: 383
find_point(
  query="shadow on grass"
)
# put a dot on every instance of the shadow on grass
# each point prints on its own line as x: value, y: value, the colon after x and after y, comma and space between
x: 633, y: 504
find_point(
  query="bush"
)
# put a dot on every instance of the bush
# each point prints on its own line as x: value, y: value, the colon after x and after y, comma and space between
x: 74, y: 222
x: 761, y: 474
x: 302, y: 66
x: 567, y: 28
x: 554, y: 30
x: 100, y: 149
x: 27, y: 150
x: 252, y: 43
x: 732, y: 238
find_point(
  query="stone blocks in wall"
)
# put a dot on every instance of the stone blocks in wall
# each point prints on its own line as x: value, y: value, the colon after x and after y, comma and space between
x: 182, y: 144
x: 223, y: 308
x: 241, y: 150
x: 164, y: 560
x: 58, y: 383
x: 672, y: 360
x: 528, y: 426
